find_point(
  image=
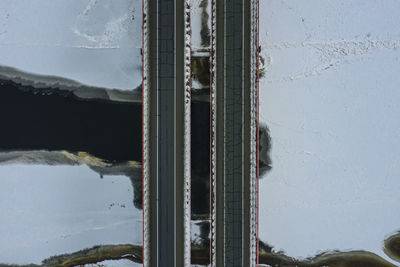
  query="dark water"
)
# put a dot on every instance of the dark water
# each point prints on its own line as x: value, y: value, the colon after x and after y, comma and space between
x: 200, y: 154
x: 54, y: 120
x: 60, y: 121
x: 112, y: 131
x: 94, y: 211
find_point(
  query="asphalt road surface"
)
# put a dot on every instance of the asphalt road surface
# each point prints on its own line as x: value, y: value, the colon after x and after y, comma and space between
x: 233, y: 133
x: 166, y: 156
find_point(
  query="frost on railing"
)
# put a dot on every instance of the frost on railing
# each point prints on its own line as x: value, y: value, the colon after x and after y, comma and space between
x: 187, y: 134
x: 213, y: 131
x: 254, y: 132
x: 146, y: 135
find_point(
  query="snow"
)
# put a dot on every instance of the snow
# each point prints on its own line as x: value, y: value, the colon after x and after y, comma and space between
x: 94, y: 42
x: 49, y: 210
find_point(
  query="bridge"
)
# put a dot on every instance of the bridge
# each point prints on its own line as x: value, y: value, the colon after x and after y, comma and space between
x: 167, y: 132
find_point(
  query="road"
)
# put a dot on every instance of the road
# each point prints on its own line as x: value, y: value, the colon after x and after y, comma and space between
x: 167, y: 180
x: 234, y: 178
x: 233, y: 134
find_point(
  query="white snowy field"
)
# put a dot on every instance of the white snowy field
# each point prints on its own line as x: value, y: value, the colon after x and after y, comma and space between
x: 49, y: 210
x: 330, y: 99
x: 95, y: 42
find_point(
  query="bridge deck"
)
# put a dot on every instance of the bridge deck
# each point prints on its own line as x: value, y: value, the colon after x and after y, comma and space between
x: 233, y: 135
x: 235, y: 174
x: 168, y: 182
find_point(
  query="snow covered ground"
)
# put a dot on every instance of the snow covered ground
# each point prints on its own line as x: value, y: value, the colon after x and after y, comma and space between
x: 95, y: 42
x: 49, y: 210
x: 330, y: 99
